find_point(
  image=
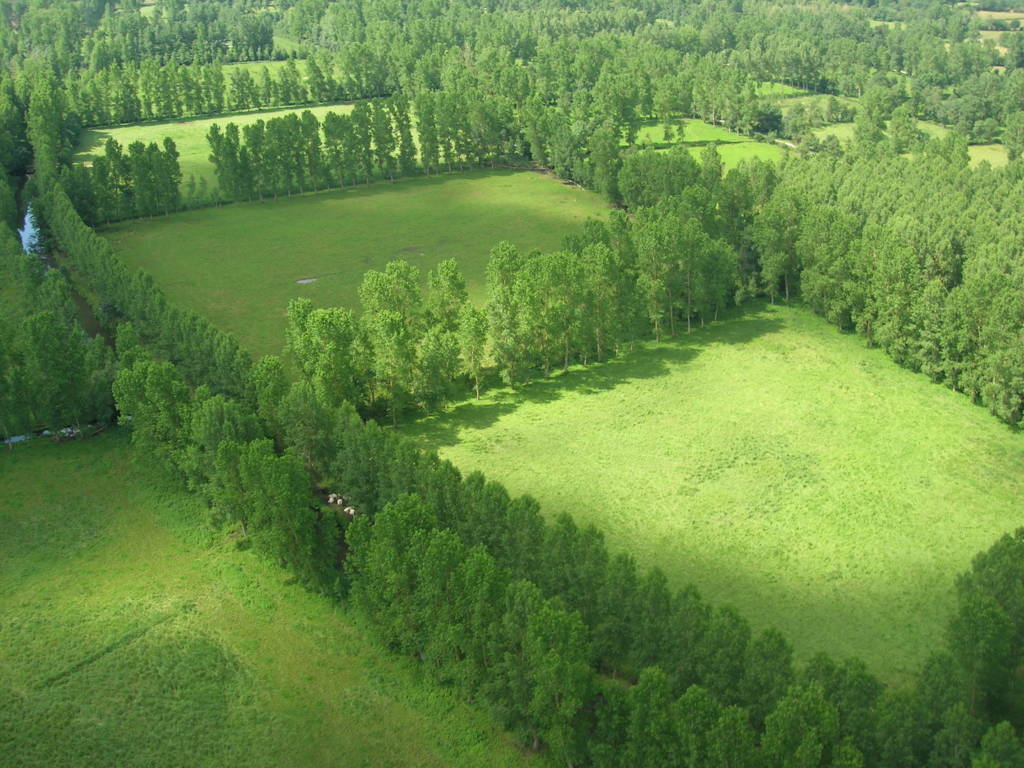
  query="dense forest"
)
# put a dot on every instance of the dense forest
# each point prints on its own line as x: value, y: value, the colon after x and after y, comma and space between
x: 581, y: 653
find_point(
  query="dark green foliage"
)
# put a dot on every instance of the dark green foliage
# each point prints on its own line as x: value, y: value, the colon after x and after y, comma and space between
x: 52, y: 375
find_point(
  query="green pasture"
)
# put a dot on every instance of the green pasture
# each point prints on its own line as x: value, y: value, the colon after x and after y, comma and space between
x: 256, y: 67
x: 189, y: 136
x: 815, y: 102
x: 777, y: 464
x: 238, y: 264
x: 697, y: 134
x: 994, y: 154
x: 768, y: 89
x: 733, y: 154
x: 1000, y: 15
x: 285, y: 44
x: 132, y: 635
x: 842, y: 131
x: 700, y: 132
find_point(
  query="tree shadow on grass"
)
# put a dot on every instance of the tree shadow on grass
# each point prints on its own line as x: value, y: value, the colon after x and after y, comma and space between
x: 646, y: 361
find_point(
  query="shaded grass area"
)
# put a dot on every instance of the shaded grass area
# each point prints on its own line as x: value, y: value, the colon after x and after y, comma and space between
x: 189, y: 135
x: 132, y: 636
x: 775, y: 463
x: 237, y: 265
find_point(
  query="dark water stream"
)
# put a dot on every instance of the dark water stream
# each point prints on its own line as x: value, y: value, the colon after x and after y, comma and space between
x: 32, y: 243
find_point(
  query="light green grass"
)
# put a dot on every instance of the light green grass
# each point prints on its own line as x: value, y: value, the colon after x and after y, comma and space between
x: 189, y: 136
x: 778, y: 90
x: 129, y: 639
x: 780, y: 466
x: 815, y: 102
x: 256, y: 67
x: 237, y: 265
x: 1000, y: 15
x: 994, y: 154
x: 697, y: 134
x: 733, y: 154
x: 842, y: 131
x: 698, y: 131
x: 285, y: 44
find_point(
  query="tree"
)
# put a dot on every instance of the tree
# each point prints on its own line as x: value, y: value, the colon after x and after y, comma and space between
x: 1013, y: 134
x: 446, y: 295
x: 731, y: 742
x: 651, y: 739
x: 503, y: 310
x: 383, y: 134
x: 776, y: 230
x: 472, y: 343
x: 1000, y: 748
x: 437, y: 365
x: 803, y: 729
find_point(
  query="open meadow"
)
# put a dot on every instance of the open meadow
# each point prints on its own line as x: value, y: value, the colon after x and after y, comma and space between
x: 779, y: 465
x: 132, y: 635
x: 994, y: 154
x: 238, y: 264
x: 733, y: 147
x: 189, y: 136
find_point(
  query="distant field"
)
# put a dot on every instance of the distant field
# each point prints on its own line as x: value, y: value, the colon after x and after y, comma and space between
x: 996, y: 36
x: 733, y: 154
x: 285, y: 44
x: 694, y: 132
x: 842, y: 131
x: 1003, y: 15
x: 815, y: 101
x: 697, y: 134
x: 189, y: 136
x: 780, y: 90
x: 700, y: 131
x: 994, y: 154
x: 256, y: 67
x: 775, y: 463
x: 131, y: 636
x: 238, y: 264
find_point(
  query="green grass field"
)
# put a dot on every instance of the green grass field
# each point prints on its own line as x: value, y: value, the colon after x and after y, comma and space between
x: 994, y: 154
x: 778, y: 90
x: 697, y: 134
x: 133, y: 636
x: 189, y: 136
x: 780, y: 466
x: 733, y: 154
x: 237, y: 265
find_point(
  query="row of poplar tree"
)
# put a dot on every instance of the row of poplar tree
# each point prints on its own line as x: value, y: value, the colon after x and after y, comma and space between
x: 153, y: 91
x: 145, y: 180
